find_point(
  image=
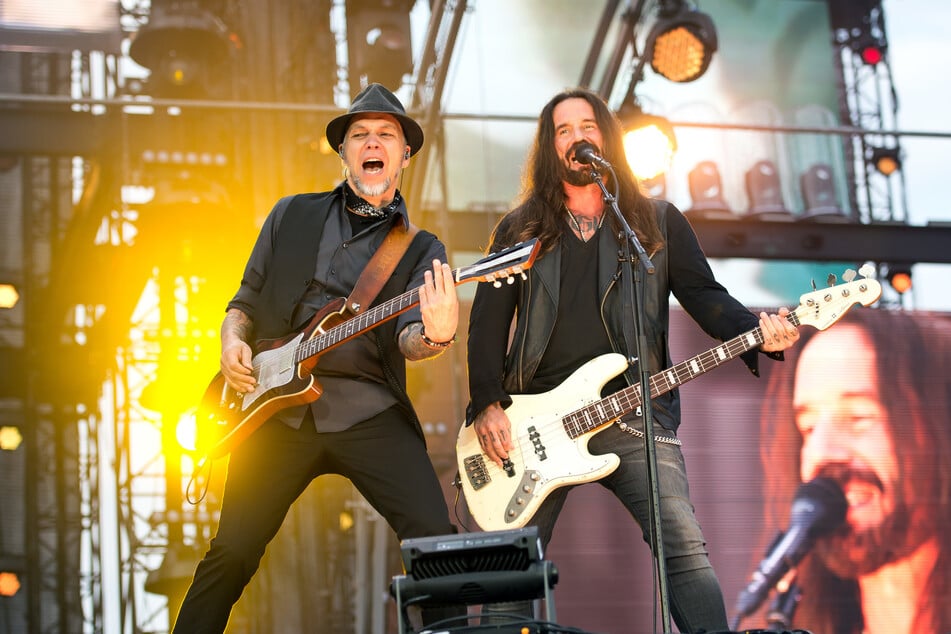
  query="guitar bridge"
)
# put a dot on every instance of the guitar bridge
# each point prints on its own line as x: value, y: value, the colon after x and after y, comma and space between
x: 476, y: 472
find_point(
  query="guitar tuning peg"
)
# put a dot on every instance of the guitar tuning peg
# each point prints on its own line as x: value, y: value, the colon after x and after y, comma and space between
x: 497, y: 283
x: 510, y: 280
x: 524, y: 277
x: 831, y: 279
x: 867, y: 270
x: 813, y: 282
x: 849, y: 275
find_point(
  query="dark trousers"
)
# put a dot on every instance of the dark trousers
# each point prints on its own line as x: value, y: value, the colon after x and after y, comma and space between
x: 383, y: 457
x: 696, y: 599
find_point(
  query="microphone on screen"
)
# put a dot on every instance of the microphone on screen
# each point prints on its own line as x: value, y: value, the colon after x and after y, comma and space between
x: 818, y: 509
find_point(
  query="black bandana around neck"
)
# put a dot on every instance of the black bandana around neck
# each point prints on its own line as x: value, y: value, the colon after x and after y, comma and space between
x: 361, y: 207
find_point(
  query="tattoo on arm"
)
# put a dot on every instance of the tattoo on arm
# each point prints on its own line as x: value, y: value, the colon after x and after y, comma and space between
x: 237, y: 324
x: 412, y: 346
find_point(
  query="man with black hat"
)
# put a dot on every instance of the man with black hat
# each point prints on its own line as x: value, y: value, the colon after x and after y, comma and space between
x: 310, y: 252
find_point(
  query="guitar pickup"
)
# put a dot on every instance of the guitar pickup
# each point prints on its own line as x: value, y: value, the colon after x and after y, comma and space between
x: 476, y: 472
x: 536, y: 440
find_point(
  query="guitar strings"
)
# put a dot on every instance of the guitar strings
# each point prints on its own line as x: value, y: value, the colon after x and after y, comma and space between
x: 631, y: 397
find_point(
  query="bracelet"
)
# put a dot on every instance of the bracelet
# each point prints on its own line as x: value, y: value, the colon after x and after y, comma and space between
x: 435, y: 344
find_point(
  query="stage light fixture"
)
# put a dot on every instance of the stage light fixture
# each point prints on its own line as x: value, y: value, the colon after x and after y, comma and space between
x: 9, y: 296
x: 379, y: 42
x: 179, y: 44
x: 655, y: 187
x: 899, y: 276
x: 870, y: 49
x: 818, y: 193
x: 706, y: 193
x: 9, y: 583
x: 884, y: 159
x: 681, y: 43
x: 649, y: 141
x: 10, y: 438
x: 765, y: 193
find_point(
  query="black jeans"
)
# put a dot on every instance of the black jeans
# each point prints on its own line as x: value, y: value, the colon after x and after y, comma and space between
x: 383, y: 457
x: 696, y: 600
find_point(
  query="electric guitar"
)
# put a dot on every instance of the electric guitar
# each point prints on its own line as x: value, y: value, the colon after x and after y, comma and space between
x: 550, y: 431
x: 282, y: 367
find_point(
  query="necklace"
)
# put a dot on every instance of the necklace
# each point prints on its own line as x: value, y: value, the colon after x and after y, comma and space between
x: 357, y: 205
x: 577, y: 225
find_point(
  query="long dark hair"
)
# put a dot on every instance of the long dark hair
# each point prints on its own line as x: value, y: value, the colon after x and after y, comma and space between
x: 540, y: 212
x: 913, y: 359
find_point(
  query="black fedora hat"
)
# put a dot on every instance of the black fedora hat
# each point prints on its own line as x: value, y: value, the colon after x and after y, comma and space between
x: 375, y: 98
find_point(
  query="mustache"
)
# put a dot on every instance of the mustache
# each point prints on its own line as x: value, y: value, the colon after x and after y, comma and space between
x: 574, y: 147
x: 843, y: 473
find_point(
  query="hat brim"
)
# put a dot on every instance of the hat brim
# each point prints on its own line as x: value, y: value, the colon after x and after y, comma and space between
x: 337, y: 129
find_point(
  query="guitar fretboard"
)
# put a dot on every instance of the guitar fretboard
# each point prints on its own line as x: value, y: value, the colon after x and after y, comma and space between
x: 515, y: 259
x: 356, y: 325
x: 612, y: 407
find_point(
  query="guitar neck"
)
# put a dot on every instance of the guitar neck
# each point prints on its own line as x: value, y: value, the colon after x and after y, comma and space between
x: 513, y: 260
x: 612, y: 407
x: 357, y: 325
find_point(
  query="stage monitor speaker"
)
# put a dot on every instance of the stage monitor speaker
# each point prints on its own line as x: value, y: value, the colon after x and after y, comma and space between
x: 474, y: 568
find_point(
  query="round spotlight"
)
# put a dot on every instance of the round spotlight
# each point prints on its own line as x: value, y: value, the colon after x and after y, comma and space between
x: 871, y: 55
x: 179, y: 43
x: 899, y: 276
x: 9, y: 296
x: 649, y: 141
x: 886, y: 160
x: 869, y: 48
x: 681, y: 43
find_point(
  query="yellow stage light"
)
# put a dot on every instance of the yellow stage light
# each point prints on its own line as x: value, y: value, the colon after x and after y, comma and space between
x: 681, y: 43
x: 9, y: 583
x: 10, y: 438
x: 886, y: 160
x: 649, y: 141
x: 9, y: 295
x: 899, y: 276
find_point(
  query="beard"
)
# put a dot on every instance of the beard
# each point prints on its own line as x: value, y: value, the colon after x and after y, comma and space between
x: 578, y: 178
x: 850, y: 553
x: 371, y: 190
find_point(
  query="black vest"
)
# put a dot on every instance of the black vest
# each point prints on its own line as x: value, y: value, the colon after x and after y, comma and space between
x: 292, y: 270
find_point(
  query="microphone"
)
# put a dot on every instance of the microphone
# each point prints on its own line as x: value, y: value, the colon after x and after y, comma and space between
x: 818, y: 509
x: 586, y: 154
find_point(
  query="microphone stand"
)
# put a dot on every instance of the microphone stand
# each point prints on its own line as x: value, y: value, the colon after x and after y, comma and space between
x: 632, y: 293
x: 781, y: 611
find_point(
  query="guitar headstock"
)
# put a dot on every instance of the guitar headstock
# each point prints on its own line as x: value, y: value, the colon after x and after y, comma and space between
x: 495, y: 267
x: 823, y: 307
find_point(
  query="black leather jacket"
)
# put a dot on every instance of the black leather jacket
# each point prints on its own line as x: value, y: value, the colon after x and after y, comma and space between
x: 681, y: 268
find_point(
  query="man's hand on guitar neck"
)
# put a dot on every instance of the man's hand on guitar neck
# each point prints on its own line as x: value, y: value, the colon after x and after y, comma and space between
x: 439, y: 308
x: 494, y: 430
x: 778, y: 332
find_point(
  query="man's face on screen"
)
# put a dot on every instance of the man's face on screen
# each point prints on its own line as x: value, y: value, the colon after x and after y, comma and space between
x: 846, y: 436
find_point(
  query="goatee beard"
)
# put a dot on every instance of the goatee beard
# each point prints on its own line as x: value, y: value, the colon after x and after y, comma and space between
x: 578, y: 178
x: 371, y: 191
x: 853, y: 554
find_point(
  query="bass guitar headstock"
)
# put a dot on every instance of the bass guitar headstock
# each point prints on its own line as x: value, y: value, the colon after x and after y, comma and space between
x: 823, y: 307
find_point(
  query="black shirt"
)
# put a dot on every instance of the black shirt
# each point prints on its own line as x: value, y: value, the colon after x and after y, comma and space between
x: 578, y: 335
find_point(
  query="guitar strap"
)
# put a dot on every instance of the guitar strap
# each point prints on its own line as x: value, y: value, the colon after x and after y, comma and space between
x: 381, y: 266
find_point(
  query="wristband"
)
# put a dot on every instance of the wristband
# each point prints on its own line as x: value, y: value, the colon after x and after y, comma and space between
x: 436, y: 344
